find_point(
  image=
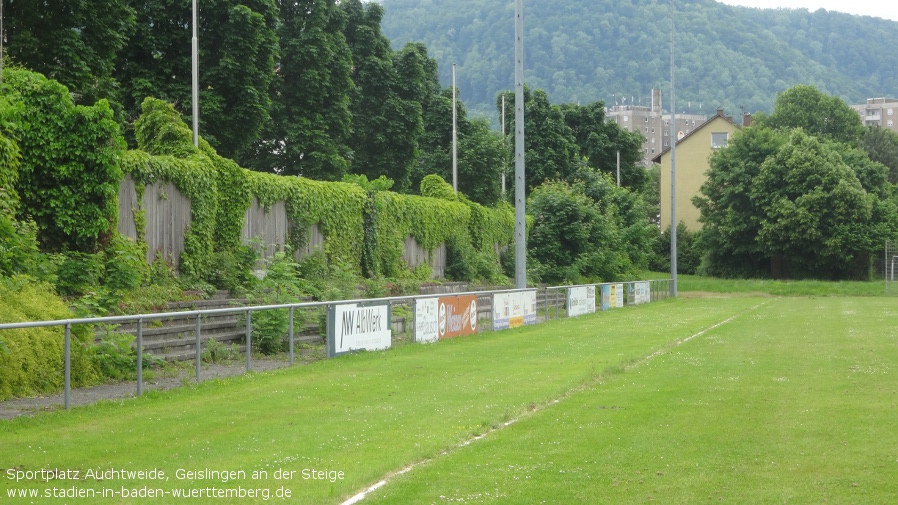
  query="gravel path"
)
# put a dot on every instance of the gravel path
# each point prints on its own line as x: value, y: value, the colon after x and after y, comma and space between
x: 127, y: 389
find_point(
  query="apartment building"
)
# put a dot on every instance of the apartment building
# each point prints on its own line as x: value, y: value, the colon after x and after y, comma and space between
x: 653, y: 124
x: 879, y: 112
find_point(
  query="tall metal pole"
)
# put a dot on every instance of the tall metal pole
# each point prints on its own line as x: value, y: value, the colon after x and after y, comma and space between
x: 1, y: 41
x: 454, y: 133
x: 618, y: 168
x: 520, y: 228
x: 196, y: 81
x: 673, y: 161
x: 504, y: 144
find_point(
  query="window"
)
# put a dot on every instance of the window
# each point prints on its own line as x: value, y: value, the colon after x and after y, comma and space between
x: 646, y: 129
x: 889, y: 112
x: 626, y: 118
x: 653, y: 151
x: 718, y: 140
x: 891, y: 123
x: 653, y: 140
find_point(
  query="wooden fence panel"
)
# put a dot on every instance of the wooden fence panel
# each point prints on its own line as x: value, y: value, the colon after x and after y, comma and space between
x: 167, y: 213
x: 168, y: 217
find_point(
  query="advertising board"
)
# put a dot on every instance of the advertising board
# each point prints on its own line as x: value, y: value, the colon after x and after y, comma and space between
x: 512, y: 310
x: 457, y: 316
x: 427, y: 320
x: 606, y: 296
x: 581, y: 300
x: 355, y: 326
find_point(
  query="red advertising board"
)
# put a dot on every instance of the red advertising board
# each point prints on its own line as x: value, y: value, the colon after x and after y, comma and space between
x: 457, y: 315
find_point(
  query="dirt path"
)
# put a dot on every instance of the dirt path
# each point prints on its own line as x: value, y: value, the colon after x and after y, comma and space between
x: 161, y: 381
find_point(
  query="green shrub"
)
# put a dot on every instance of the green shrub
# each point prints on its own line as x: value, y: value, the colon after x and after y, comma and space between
x: 233, y: 270
x: 218, y: 352
x: 80, y: 273
x: 280, y: 285
x: 126, y: 266
x: 31, y: 359
x: 116, y: 358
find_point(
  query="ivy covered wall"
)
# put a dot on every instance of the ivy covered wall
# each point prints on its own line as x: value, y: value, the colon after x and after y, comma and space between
x: 364, y: 229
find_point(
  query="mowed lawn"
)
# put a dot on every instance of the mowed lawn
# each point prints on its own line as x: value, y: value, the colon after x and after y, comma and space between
x: 723, y: 400
x: 793, y: 402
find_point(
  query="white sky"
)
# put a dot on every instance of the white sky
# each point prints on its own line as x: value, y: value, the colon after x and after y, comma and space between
x: 887, y: 9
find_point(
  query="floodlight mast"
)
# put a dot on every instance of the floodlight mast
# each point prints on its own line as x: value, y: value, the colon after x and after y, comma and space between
x: 520, y: 263
x: 673, y: 161
x: 194, y: 42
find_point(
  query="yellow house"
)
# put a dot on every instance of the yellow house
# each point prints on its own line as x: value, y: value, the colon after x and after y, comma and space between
x: 693, y: 150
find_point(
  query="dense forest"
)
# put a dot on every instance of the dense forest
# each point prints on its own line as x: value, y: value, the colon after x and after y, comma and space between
x: 582, y: 51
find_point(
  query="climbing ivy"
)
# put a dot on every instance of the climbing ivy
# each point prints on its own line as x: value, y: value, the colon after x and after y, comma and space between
x: 364, y: 225
x: 69, y: 175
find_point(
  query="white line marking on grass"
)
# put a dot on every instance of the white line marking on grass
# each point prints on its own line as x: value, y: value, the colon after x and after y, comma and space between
x: 700, y: 333
x: 533, y: 408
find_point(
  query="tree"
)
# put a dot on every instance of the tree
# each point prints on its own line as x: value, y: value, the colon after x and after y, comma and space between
x: 881, y: 145
x: 599, y: 142
x: 551, y: 151
x: 815, y: 214
x: 567, y: 227
x: 74, y: 42
x: 729, y: 216
x: 310, y: 117
x: 480, y: 151
x: 817, y: 113
x: 386, y: 119
x: 237, y: 50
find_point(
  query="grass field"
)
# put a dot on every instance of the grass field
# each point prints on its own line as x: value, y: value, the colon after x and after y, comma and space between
x: 695, y: 400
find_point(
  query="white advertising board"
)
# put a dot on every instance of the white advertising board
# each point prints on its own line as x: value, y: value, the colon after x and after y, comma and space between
x: 620, y: 295
x: 581, y: 300
x: 426, y: 320
x: 643, y: 293
x: 511, y: 310
x: 354, y: 326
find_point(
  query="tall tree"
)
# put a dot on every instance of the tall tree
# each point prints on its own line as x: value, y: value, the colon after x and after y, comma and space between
x: 386, y: 124
x: 730, y: 218
x: 599, y: 142
x: 310, y: 117
x: 74, y: 42
x: 817, y: 113
x: 551, y: 150
x: 882, y: 145
x: 237, y: 49
x: 814, y: 212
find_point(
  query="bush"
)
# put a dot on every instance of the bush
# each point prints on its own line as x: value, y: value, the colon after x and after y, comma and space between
x: 126, y: 266
x: 79, y: 273
x: 689, y: 251
x: 116, y: 358
x: 31, y: 359
x: 280, y: 285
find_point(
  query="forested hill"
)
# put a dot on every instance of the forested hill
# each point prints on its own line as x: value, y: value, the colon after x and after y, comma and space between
x: 589, y: 50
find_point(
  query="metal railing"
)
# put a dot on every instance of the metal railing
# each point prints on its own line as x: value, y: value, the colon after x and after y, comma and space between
x: 659, y: 290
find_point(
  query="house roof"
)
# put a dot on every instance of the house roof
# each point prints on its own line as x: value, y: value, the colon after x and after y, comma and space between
x: 657, y: 159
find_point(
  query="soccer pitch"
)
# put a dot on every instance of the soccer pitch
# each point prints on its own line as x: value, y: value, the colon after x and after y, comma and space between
x: 724, y: 400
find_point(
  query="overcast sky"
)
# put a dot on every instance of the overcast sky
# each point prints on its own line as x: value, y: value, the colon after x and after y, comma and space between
x: 887, y: 9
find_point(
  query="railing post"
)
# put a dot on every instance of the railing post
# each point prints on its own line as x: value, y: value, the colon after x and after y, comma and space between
x: 199, y: 348
x: 139, y: 356
x: 68, y: 366
x: 291, y: 335
x: 249, y: 344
